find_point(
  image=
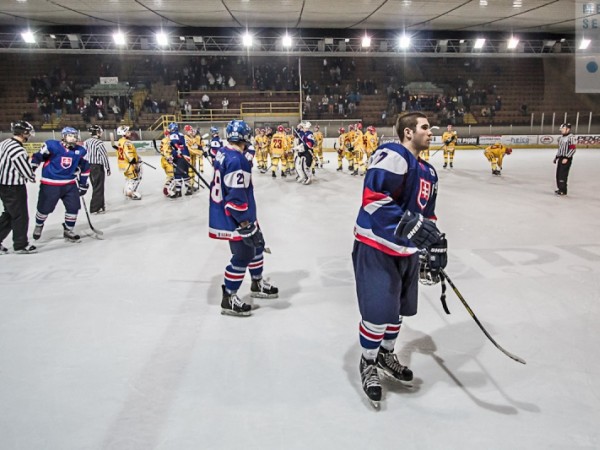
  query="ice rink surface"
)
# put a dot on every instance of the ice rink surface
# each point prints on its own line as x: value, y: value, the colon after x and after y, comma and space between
x: 119, y: 343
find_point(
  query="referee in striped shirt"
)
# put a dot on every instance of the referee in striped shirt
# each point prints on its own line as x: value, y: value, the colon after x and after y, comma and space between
x: 98, y: 159
x: 564, y: 157
x: 15, y: 171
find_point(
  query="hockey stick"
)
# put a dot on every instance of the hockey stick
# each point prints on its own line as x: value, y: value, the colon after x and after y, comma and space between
x: 149, y: 165
x: 443, y: 145
x: 87, y: 214
x: 443, y: 274
x: 200, y: 177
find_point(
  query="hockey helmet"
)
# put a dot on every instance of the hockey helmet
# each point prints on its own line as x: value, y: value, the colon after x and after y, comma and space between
x: 317, y: 127
x: 22, y: 128
x: 359, y: 126
x: 238, y: 131
x: 342, y: 130
x: 508, y: 151
x: 173, y: 127
x: 371, y: 129
x: 214, y: 130
x: 305, y: 124
x: 122, y: 130
x: 95, y: 130
x: 280, y: 128
x: 69, y: 135
x: 350, y: 127
x: 188, y: 129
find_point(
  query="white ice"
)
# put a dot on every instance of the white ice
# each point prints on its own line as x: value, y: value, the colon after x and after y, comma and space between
x: 119, y: 343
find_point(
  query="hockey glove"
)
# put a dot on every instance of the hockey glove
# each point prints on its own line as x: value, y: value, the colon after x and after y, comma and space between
x: 438, y: 255
x: 83, y: 188
x: 251, y: 235
x: 420, y: 231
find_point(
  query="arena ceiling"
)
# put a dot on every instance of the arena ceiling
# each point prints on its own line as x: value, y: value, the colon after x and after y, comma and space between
x: 510, y: 16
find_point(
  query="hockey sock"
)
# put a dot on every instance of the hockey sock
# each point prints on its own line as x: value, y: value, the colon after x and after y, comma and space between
x: 256, y: 266
x: 234, y: 277
x: 70, y: 220
x: 40, y: 218
x: 371, y: 336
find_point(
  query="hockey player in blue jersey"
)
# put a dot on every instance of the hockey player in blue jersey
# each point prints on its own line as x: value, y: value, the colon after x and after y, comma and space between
x: 181, y: 161
x: 395, y: 223
x: 304, y: 153
x: 215, y: 142
x: 65, y: 173
x: 232, y: 217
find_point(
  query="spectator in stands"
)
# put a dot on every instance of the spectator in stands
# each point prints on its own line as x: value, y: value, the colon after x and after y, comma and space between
x: 205, y: 101
x: 231, y: 82
x: 307, y: 102
x: 523, y: 109
x: 225, y: 104
x: 498, y: 104
x: 187, y: 109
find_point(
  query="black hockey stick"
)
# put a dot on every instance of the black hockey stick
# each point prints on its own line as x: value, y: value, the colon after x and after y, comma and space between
x: 443, y: 274
x: 87, y: 214
x: 200, y: 177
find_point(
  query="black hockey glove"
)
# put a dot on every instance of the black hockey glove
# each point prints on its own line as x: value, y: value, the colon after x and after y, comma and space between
x: 83, y: 188
x: 251, y: 235
x: 438, y: 255
x: 447, y: 141
x: 420, y: 231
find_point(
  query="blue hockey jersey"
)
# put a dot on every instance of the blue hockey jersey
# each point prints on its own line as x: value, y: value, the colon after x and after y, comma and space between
x: 215, y: 145
x: 178, y: 146
x: 62, y: 165
x: 396, y: 181
x: 231, y: 195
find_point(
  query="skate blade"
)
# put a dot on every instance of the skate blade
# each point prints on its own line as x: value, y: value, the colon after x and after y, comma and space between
x: 375, y: 404
x: 70, y: 241
x: 229, y: 312
x: 262, y: 295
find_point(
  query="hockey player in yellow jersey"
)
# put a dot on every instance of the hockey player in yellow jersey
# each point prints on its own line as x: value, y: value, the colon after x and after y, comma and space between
x: 494, y: 154
x: 449, y: 138
x: 350, y: 147
x: 129, y: 161
x: 358, y: 143
x: 166, y: 162
x: 340, y: 147
x: 318, y: 160
x: 371, y: 142
x: 279, y: 143
x: 262, y: 151
x: 194, y: 145
x: 290, y: 166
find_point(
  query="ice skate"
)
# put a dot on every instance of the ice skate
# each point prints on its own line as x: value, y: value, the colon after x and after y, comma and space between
x: 29, y: 250
x: 445, y: 166
x: 37, y: 231
x: 274, y: 175
x: 339, y: 169
x: 263, y: 289
x: 355, y: 172
x: 451, y: 165
x: 307, y: 181
x: 388, y: 362
x: 70, y: 235
x: 232, y: 305
x: 370, y: 381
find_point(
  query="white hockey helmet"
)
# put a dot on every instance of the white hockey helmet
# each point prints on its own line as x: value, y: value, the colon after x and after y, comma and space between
x: 122, y: 130
x: 306, y: 124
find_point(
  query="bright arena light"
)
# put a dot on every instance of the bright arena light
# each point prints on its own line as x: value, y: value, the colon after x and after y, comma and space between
x: 162, y: 38
x: 479, y: 43
x: 247, y: 40
x: 512, y: 43
x: 119, y: 38
x: 366, y: 41
x: 287, y: 41
x: 404, y: 41
x: 584, y: 44
x: 28, y: 37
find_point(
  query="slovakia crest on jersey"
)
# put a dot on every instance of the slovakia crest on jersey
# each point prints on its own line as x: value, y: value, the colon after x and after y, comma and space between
x: 424, y: 193
x: 65, y: 162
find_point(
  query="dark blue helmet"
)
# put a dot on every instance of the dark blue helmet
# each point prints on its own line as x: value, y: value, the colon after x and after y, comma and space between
x: 173, y: 127
x: 214, y: 130
x: 238, y: 131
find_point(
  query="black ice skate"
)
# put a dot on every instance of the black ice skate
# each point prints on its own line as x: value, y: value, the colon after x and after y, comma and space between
x: 451, y: 165
x: 370, y: 380
x: 29, y: 250
x: 339, y: 169
x: 232, y: 305
x: 37, y: 231
x: 263, y: 289
x: 70, y: 235
x: 388, y: 362
x: 445, y: 165
x: 274, y: 175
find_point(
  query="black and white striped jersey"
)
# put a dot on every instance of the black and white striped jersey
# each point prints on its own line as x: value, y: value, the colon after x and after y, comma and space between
x: 96, y: 152
x: 15, y: 166
x: 567, y: 145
